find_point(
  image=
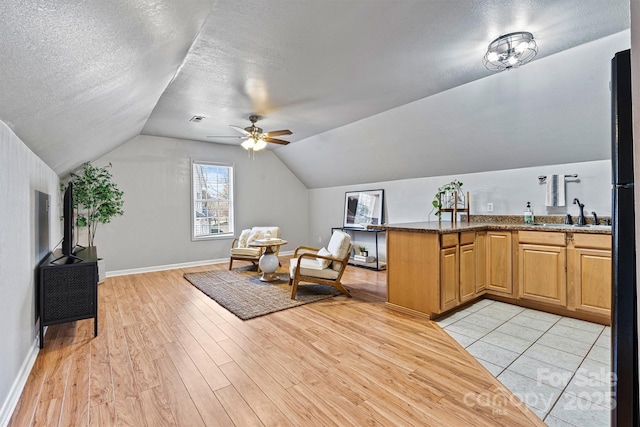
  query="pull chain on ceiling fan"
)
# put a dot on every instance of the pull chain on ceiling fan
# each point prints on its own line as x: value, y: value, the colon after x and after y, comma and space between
x: 254, y: 138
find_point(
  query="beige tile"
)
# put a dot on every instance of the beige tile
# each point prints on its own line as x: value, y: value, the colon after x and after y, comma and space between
x: 580, y: 412
x: 507, y: 341
x: 574, y: 334
x: 483, y: 320
x: 600, y: 354
x: 565, y: 343
x: 467, y: 328
x: 532, y: 393
x: 588, y: 388
x: 607, y: 331
x: 531, y: 322
x: 463, y: 340
x: 581, y: 324
x: 553, y: 357
x: 492, y: 353
x: 542, y: 372
x: 604, y: 341
x: 495, y: 313
x: 552, y: 421
x: 520, y: 331
x: 540, y: 315
x: 508, y: 308
x: 491, y: 367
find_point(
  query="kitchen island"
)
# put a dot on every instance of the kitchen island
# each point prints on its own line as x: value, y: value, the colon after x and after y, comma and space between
x: 436, y: 267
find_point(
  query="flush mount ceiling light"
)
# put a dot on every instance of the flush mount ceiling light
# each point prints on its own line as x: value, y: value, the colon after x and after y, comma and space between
x: 510, y: 51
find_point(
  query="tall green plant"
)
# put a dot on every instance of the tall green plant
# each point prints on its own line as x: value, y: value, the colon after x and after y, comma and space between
x: 96, y: 198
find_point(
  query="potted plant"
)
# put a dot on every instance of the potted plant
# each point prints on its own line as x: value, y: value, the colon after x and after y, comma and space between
x: 363, y: 251
x: 97, y: 200
x: 444, y: 197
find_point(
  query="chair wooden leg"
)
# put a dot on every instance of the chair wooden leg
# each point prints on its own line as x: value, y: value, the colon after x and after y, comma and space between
x: 342, y: 289
x: 230, y: 262
x: 294, y: 289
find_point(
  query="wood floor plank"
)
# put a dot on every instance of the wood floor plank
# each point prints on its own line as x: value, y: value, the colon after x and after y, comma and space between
x: 203, y: 397
x: 167, y: 354
x: 263, y: 407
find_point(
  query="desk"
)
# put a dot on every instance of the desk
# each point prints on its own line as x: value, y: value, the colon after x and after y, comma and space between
x: 269, y: 262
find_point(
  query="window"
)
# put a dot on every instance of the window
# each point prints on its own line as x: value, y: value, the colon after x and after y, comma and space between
x: 212, y: 191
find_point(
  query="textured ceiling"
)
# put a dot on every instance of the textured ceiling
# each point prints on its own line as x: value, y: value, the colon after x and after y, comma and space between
x: 80, y: 78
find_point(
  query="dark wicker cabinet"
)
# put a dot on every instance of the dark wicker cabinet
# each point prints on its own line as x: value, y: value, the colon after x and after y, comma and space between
x: 68, y: 289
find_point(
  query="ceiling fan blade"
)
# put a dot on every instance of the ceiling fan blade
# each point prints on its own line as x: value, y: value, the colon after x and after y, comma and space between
x: 276, y: 141
x: 226, y: 136
x: 278, y: 133
x: 239, y: 129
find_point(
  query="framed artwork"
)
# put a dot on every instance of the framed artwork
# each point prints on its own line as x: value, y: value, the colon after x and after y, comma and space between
x: 362, y: 208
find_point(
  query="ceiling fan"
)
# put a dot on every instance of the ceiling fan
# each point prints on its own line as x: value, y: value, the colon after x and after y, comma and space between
x: 255, y: 138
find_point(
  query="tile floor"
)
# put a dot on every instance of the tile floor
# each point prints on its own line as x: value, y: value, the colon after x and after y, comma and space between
x: 560, y: 367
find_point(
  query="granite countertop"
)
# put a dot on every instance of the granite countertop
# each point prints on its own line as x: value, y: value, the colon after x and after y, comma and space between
x: 505, y: 222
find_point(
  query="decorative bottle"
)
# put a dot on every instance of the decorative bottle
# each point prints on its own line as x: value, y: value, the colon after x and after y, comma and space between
x: 528, y: 214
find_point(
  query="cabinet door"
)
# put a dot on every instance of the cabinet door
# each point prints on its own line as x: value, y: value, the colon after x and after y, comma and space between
x: 467, y: 272
x: 481, y: 261
x: 499, y: 257
x: 542, y: 275
x: 590, y: 280
x: 449, y: 296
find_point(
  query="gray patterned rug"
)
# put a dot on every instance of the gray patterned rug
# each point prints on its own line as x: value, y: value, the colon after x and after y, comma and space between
x: 241, y: 292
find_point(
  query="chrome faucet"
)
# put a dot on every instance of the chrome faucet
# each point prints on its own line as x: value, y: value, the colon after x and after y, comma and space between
x: 581, y: 219
x: 595, y: 217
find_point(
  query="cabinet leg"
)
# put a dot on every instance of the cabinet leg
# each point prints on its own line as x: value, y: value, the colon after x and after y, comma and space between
x: 41, y: 335
x: 95, y: 326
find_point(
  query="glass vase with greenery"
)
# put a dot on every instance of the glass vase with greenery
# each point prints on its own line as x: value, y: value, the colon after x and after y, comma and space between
x: 451, y: 191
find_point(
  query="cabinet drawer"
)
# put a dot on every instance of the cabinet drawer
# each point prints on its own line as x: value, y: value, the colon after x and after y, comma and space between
x: 593, y: 241
x: 467, y: 237
x: 552, y: 238
x: 448, y: 240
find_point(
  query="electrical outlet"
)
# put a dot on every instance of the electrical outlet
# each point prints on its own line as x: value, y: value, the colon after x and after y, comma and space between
x: 489, y: 207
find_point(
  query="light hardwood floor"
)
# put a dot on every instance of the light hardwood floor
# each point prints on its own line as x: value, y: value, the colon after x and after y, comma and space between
x: 166, y: 354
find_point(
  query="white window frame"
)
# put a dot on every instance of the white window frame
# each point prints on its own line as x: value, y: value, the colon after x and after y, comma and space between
x: 231, y: 221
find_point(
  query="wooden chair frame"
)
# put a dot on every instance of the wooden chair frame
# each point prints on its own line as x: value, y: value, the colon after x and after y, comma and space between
x: 311, y: 253
x: 254, y: 259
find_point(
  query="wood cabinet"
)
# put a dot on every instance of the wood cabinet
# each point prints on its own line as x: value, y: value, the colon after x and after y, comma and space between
x: 589, y: 274
x: 468, y: 266
x: 457, y: 269
x: 542, y: 275
x: 567, y: 273
x: 499, y: 259
x: 481, y: 261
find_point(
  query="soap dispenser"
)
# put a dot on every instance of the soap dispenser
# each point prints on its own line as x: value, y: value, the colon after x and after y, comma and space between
x: 528, y: 214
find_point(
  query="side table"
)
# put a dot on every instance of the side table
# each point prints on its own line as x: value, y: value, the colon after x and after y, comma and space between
x: 269, y: 262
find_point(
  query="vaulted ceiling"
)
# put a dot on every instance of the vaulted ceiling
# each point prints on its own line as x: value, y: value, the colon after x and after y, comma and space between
x: 79, y: 79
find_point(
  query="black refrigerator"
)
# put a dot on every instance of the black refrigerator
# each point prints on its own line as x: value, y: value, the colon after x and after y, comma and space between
x: 624, y: 326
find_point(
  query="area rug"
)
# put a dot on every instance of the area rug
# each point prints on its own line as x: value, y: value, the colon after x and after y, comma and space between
x: 242, y: 293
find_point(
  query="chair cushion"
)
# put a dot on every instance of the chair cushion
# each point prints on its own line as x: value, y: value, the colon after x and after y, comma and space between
x: 312, y: 269
x: 273, y: 231
x: 255, y: 235
x: 244, y: 236
x: 339, y: 246
x: 254, y: 252
x: 324, y: 263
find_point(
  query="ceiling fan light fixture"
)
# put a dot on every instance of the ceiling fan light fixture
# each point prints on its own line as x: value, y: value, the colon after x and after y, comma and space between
x: 260, y: 144
x: 510, y: 51
x: 249, y: 144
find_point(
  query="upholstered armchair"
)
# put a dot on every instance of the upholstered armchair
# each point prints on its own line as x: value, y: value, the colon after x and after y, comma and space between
x: 240, y: 249
x: 324, y: 266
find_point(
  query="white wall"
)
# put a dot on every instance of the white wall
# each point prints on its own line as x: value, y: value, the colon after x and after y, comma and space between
x: 155, y: 175
x: 21, y: 174
x: 409, y: 200
x: 554, y: 110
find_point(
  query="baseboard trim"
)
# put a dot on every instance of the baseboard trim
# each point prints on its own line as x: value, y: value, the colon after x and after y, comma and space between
x: 154, y: 268
x: 11, y: 401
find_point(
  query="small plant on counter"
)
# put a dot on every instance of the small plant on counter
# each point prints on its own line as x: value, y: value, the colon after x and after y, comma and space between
x: 446, y: 190
x: 362, y: 249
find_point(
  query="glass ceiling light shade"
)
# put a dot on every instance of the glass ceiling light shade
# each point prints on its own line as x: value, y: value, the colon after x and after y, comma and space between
x: 510, y: 51
x: 249, y: 144
x: 260, y: 144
